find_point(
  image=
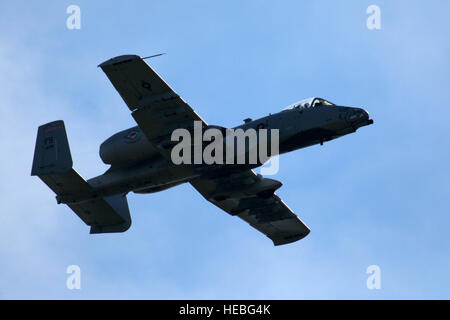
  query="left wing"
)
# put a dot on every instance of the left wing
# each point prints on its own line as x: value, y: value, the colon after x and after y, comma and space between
x: 251, y: 198
x: 157, y: 109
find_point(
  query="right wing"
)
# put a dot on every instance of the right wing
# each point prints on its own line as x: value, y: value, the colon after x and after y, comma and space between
x: 251, y: 198
x: 157, y: 109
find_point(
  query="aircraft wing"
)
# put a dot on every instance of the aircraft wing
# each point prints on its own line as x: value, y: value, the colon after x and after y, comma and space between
x: 240, y: 194
x: 157, y: 109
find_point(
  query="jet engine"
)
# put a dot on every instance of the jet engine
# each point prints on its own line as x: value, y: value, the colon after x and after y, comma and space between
x: 126, y: 147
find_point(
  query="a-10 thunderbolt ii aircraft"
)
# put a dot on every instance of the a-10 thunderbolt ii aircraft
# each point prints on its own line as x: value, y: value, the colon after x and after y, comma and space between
x: 140, y: 157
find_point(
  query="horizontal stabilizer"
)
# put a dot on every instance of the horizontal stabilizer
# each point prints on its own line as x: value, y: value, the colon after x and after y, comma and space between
x: 104, y: 215
x: 52, y: 163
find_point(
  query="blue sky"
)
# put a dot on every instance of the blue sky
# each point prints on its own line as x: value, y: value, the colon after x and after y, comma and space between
x: 377, y: 197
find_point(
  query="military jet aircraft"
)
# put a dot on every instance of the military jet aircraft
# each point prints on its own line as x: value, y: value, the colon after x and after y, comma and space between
x: 140, y: 157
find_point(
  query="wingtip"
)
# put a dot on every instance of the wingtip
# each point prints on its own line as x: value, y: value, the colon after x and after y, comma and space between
x: 291, y: 239
x: 118, y: 60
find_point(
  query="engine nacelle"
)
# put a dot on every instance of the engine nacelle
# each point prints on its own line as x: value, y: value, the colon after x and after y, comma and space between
x: 126, y: 147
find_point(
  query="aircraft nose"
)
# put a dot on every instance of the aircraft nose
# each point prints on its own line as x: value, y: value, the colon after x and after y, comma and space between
x: 358, y: 117
x: 356, y: 114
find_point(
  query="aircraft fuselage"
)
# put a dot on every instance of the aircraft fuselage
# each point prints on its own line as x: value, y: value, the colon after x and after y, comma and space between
x: 137, y: 166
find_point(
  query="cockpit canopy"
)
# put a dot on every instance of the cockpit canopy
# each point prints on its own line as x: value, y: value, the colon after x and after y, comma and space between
x: 309, y: 103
